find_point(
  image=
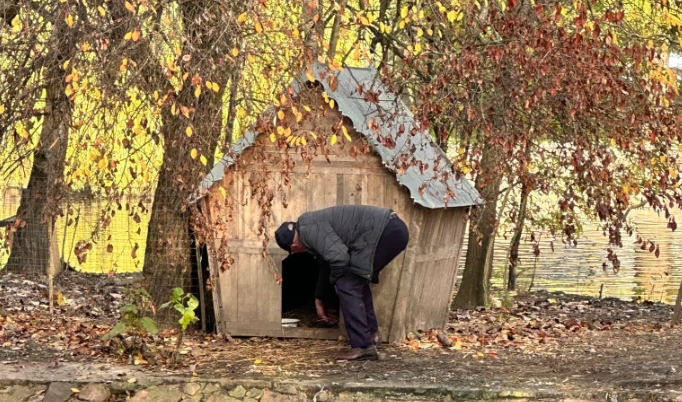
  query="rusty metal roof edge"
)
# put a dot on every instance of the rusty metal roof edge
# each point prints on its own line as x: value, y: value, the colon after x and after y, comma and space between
x: 471, y: 196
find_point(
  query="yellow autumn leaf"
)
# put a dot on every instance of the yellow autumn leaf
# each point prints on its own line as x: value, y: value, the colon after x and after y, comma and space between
x: 174, y: 110
x: 223, y: 192
x: 102, y: 164
x: 197, y: 91
x: 235, y: 51
x: 136, y: 36
x: 69, y: 20
x: 345, y: 133
x: 130, y: 7
x: 215, y: 87
x: 273, y: 137
x: 259, y: 27
x: 672, y: 172
x: 23, y: 133
x: 85, y: 47
x: 128, y: 36
x: 203, y: 160
x: 364, y: 20
x: 2, y: 109
x: 287, y: 132
x: 331, y: 103
x: 403, y: 12
x: 304, y: 141
x: 280, y: 130
x: 101, y: 10
x: 626, y: 188
x: 417, y: 48
x: 307, y: 108
x: 452, y: 15
x: 613, y: 142
x: 209, y: 84
x: 74, y: 390
x: 194, y: 153
x: 662, y: 158
x: 334, y: 139
x: 280, y: 115
x: 189, y: 131
x: 313, y: 135
x: 241, y: 18
x: 60, y: 302
x: 420, y: 32
x: 310, y: 76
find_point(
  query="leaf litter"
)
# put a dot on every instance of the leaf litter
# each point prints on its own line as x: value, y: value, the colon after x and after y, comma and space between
x: 540, y: 339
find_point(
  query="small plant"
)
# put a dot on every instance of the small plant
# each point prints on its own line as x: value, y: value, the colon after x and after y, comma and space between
x: 185, y: 304
x: 133, y: 316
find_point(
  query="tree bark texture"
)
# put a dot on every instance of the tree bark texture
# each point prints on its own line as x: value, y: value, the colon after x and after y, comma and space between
x: 32, y: 247
x: 168, y: 261
x: 474, y: 288
x: 516, y: 239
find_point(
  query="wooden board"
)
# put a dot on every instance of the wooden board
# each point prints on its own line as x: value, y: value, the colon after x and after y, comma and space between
x: 404, y: 295
x: 435, y: 268
x: 415, y: 288
x: 304, y: 333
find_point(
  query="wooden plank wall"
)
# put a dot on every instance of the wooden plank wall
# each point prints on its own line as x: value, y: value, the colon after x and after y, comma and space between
x: 435, y: 267
x: 415, y: 288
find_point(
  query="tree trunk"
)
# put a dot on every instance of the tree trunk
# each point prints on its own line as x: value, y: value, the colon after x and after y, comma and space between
x: 31, y: 244
x: 516, y: 239
x: 312, y: 22
x: 32, y: 248
x: 473, y: 291
x: 336, y: 30
x: 677, y: 315
x: 168, y: 261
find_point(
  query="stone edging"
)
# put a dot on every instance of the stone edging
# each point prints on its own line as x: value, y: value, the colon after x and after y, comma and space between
x: 173, y: 389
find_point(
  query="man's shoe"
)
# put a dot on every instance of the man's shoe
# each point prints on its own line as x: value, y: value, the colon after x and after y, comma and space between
x: 356, y: 354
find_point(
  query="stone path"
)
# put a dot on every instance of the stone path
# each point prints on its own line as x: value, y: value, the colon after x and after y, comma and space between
x: 71, y: 382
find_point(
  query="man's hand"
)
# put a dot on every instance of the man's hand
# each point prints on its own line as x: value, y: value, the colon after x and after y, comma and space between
x: 323, y: 313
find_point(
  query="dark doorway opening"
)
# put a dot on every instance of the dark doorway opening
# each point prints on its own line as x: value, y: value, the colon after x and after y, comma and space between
x: 300, y: 273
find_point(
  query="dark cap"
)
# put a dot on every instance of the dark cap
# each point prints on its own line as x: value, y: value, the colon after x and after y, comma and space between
x: 284, y: 236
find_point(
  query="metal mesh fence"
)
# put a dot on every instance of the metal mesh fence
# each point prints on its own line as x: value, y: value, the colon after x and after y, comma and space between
x: 94, y: 240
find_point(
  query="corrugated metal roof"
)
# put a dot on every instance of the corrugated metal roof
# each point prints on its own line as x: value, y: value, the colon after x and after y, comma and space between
x: 393, y: 123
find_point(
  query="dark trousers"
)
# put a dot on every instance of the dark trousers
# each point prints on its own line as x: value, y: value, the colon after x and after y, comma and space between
x: 355, y: 296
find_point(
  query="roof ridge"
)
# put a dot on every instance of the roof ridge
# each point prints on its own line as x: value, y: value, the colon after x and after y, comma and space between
x: 430, y: 192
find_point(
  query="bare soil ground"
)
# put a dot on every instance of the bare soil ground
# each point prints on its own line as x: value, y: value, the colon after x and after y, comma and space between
x: 543, y: 341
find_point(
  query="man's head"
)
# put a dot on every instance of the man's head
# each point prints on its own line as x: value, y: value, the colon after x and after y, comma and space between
x: 287, y: 238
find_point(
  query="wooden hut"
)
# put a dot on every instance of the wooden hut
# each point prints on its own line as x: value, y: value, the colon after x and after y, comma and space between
x: 415, y: 289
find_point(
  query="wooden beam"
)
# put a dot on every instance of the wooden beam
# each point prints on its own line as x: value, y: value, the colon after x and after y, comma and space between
x: 304, y: 333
